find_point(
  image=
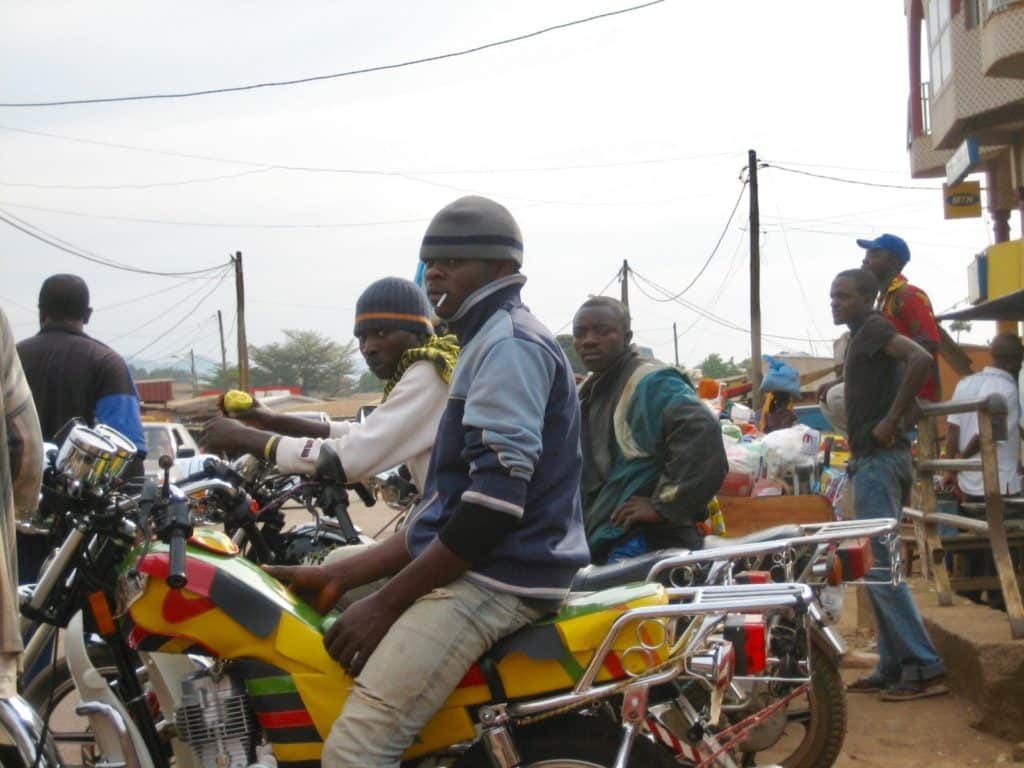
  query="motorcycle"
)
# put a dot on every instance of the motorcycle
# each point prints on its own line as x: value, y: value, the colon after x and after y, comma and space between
x: 805, y: 725
x: 236, y: 673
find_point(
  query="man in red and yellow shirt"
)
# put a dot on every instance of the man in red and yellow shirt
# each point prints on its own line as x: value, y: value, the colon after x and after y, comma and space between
x: 906, y: 306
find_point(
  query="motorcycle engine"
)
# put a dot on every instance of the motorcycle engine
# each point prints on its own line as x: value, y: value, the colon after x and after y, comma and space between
x: 216, y: 720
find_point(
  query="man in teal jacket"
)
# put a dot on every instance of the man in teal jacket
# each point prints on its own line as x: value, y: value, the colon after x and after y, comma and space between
x: 652, y: 452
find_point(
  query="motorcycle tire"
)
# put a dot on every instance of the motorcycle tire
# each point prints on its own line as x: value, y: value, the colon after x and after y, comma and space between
x: 826, y: 730
x: 53, y: 690
x: 572, y: 741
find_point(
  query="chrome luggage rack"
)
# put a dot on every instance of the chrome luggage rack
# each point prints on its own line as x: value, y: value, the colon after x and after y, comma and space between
x: 781, y: 556
x: 708, y: 608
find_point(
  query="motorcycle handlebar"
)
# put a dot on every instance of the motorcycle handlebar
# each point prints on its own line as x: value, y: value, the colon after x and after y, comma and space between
x: 364, y: 494
x: 176, y: 577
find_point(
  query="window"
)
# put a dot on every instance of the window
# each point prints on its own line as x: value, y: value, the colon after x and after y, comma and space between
x: 940, y: 42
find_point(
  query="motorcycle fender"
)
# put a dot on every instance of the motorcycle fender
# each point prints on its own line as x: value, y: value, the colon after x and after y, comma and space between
x: 91, y: 686
x: 833, y: 639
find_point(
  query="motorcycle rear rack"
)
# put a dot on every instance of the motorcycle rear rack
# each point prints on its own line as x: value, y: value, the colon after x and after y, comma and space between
x: 709, y: 605
x: 822, y: 537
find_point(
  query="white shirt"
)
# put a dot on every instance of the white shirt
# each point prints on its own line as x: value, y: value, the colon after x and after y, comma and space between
x: 400, y: 430
x: 988, y: 382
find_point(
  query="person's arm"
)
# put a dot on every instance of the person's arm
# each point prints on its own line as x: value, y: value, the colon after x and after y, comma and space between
x: 503, y: 419
x: 401, y: 427
x: 917, y: 363
x: 117, y: 401
x: 261, y: 417
x: 24, y: 438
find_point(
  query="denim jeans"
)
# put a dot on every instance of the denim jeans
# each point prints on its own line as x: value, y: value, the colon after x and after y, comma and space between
x: 881, y: 480
x: 415, y: 669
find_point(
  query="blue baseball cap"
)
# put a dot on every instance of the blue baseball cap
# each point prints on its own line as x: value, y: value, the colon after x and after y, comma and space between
x: 897, y: 246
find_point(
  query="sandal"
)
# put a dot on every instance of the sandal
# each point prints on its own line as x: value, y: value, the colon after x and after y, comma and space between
x: 869, y: 684
x: 907, y: 691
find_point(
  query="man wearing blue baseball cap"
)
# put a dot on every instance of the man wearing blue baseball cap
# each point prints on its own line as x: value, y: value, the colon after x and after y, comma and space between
x: 906, y: 306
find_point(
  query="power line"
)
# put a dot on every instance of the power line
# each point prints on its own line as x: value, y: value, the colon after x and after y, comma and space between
x: 848, y: 181
x: 599, y: 293
x: 214, y: 224
x: 796, y: 276
x: 53, y: 241
x: 707, y: 313
x: 152, y: 185
x: 714, y: 250
x: 188, y: 314
x: 160, y: 315
x: 417, y: 176
x: 336, y: 75
x: 144, y: 296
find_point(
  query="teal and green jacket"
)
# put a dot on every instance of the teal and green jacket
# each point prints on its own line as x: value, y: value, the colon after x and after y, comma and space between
x: 646, y: 433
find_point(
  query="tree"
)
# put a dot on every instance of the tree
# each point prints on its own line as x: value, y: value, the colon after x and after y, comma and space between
x: 306, y: 359
x: 218, y: 378
x: 163, y: 372
x: 565, y: 342
x: 369, y: 382
x: 714, y: 367
x: 957, y: 326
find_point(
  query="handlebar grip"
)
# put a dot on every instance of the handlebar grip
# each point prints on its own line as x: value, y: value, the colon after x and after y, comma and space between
x: 364, y: 494
x: 176, y: 578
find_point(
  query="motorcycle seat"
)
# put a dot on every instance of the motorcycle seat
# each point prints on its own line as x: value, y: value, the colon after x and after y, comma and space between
x: 775, y: 533
x: 597, y: 577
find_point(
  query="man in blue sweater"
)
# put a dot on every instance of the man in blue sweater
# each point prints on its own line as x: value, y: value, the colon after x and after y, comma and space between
x: 499, y: 534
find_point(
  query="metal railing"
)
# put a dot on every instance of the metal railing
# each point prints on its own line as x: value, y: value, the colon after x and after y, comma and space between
x: 992, y: 427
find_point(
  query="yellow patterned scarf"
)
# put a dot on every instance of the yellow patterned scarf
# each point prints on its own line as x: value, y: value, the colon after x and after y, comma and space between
x: 442, y: 351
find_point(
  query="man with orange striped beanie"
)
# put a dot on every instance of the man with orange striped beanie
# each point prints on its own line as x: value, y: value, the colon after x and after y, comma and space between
x: 396, y: 338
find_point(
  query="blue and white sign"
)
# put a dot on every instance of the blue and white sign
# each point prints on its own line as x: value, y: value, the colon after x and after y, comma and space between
x: 962, y: 161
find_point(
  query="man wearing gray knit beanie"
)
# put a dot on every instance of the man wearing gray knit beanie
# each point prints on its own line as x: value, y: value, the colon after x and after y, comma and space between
x: 396, y: 338
x: 498, y: 537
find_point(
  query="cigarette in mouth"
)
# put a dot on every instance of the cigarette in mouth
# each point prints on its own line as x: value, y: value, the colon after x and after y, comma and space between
x: 441, y: 300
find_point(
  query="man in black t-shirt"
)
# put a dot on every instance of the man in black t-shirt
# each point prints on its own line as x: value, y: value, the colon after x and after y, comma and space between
x: 72, y: 375
x: 883, y: 372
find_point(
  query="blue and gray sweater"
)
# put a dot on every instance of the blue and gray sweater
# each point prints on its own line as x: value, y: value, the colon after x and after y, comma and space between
x: 508, y: 451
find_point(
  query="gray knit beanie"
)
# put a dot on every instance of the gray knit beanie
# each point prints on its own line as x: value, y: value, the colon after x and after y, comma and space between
x: 392, y: 302
x: 473, y: 228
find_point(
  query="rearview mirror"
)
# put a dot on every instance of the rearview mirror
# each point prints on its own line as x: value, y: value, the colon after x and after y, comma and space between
x: 186, y: 453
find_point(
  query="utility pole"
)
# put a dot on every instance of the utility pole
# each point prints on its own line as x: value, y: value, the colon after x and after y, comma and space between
x: 755, y: 280
x: 223, y: 349
x: 243, y: 346
x: 195, y: 379
x: 625, y: 282
x: 675, y: 342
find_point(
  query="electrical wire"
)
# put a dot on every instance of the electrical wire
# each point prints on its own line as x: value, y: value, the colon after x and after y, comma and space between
x: 159, y: 316
x: 714, y: 250
x: 214, y: 224
x: 796, y: 277
x: 52, y: 240
x: 260, y: 166
x: 145, y: 296
x: 599, y: 293
x: 707, y: 313
x: 152, y: 185
x: 336, y: 75
x: 188, y: 314
x: 847, y: 181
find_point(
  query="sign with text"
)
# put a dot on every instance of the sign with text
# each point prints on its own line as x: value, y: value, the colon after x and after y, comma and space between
x: 962, y: 162
x: 962, y: 201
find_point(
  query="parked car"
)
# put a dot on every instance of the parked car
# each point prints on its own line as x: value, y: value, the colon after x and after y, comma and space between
x: 167, y: 438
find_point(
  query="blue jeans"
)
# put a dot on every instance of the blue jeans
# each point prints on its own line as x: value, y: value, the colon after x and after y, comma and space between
x: 416, y: 667
x: 881, y: 480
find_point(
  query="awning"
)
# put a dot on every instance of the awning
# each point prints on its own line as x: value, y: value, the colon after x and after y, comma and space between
x: 1008, y: 307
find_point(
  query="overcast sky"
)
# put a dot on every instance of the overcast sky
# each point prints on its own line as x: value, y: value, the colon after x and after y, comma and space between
x: 621, y: 138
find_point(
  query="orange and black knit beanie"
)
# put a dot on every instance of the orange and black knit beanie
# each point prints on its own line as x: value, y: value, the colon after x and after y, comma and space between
x: 392, y: 302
